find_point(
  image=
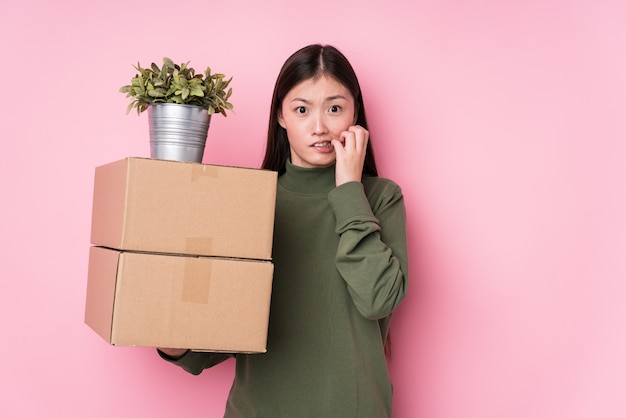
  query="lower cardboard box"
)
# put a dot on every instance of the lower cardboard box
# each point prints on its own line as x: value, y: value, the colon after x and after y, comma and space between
x: 178, y: 301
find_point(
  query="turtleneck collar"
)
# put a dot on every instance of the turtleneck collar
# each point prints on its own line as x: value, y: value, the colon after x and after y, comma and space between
x: 308, y: 180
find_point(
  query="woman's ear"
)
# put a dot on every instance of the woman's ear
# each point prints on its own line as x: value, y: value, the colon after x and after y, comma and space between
x: 280, y: 119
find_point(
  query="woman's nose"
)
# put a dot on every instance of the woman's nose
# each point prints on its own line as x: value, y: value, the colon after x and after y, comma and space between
x: 319, y: 125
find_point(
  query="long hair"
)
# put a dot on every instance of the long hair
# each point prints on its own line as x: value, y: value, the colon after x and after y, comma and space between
x: 312, y: 62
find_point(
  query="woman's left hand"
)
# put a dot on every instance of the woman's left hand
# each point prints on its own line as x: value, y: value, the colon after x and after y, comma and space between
x: 350, y: 154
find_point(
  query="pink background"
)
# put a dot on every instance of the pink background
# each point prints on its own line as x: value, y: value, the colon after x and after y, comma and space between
x: 503, y: 121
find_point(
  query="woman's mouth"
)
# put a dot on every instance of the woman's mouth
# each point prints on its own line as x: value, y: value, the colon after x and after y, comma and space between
x: 324, y: 147
x: 325, y: 144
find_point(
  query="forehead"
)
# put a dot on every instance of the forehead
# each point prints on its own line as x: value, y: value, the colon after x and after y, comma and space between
x: 318, y: 88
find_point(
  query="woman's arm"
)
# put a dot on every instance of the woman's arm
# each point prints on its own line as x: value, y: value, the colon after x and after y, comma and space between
x: 372, y: 251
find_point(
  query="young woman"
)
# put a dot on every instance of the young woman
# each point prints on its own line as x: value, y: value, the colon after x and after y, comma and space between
x: 340, y: 257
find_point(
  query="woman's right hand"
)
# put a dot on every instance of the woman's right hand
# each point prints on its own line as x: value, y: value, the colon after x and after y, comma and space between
x: 350, y: 152
x: 174, y: 353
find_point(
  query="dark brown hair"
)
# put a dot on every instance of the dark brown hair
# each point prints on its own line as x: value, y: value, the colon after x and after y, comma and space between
x: 312, y: 62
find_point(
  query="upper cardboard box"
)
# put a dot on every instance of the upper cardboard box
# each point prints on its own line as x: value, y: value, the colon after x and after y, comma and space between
x: 151, y: 205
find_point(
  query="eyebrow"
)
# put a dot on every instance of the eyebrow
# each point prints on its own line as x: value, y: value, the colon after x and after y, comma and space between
x: 328, y: 99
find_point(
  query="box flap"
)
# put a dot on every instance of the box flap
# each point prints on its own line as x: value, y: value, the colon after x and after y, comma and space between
x: 101, y: 283
x: 109, y: 201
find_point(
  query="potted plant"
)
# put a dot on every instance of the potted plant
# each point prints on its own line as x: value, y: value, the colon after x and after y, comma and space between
x: 180, y: 104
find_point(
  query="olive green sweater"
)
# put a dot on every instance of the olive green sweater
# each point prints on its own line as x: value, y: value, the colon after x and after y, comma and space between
x: 340, y: 262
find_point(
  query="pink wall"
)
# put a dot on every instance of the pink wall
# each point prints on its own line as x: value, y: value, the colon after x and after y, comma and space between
x: 503, y: 121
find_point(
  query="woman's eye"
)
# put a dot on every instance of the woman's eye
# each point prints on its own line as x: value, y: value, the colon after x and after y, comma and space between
x: 301, y: 109
x: 335, y: 108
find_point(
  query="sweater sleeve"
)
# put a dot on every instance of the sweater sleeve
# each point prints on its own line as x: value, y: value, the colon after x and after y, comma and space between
x: 195, y: 362
x: 372, y: 250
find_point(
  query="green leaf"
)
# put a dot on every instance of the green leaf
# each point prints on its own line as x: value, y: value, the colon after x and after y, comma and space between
x: 156, y: 93
x: 197, y: 91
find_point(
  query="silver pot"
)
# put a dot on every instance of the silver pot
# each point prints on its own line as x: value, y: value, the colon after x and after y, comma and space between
x: 177, y: 131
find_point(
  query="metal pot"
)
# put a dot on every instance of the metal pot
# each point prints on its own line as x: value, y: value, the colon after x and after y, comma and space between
x: 178, y: 131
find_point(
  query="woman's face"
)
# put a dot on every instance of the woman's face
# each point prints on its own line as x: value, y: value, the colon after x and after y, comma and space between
x: 313, y: 113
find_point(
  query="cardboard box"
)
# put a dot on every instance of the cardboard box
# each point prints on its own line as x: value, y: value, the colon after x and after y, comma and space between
x: 142, y: 204
x: 158, y: 300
